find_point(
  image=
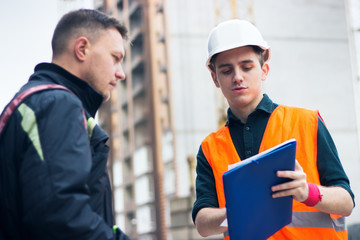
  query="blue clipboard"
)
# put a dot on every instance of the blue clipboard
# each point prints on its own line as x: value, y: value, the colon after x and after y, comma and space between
x: 252, y: 213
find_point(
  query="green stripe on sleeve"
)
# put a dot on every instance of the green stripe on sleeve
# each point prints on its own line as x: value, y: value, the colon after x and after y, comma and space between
x: 29, y: 125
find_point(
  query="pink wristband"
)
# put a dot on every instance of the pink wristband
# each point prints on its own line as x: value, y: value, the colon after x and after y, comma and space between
x: 314, y: 195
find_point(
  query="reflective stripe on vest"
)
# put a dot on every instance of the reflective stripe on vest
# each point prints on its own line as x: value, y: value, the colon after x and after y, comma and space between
x: 313, y: 220
x: 284, y: 123
x: 317, y: 220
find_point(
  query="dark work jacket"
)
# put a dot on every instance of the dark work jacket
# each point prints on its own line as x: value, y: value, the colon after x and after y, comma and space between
x: 54, y: 182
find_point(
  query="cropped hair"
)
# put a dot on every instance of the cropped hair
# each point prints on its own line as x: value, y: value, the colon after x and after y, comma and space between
x: 83, y: 22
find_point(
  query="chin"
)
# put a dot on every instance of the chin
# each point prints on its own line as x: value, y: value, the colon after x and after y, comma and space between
x: 107, y: 97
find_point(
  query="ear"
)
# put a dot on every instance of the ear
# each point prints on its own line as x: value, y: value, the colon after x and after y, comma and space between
x: 265, y: 71
x: 80, y: 48
x: 215, y: 80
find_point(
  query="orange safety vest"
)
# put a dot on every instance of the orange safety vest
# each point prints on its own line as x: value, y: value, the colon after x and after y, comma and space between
x: 284, y: 123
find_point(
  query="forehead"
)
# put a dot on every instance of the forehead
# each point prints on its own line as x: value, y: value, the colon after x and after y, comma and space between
x: 238, y: 54
x: 111, y: 38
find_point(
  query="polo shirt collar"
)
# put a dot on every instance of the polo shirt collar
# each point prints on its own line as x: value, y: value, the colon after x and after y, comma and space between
x: 265, y: 105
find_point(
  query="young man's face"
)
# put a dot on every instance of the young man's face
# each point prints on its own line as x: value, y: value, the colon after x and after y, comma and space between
x: 239, y: 75
x: 104, y: 68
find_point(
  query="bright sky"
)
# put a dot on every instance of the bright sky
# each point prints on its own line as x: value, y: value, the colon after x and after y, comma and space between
x: 26, y: 29
x: 26, y: 32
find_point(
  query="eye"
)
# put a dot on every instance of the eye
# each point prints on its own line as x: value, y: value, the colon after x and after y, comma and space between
x: 247, y: 68
x: 116, y: 58
x: 226, y: 71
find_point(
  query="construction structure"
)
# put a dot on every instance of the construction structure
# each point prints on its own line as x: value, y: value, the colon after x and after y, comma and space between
x: 139, y: 120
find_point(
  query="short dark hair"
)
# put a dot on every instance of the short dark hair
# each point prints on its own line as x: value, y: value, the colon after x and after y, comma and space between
x: 258, y: 51
x: 83, y: 22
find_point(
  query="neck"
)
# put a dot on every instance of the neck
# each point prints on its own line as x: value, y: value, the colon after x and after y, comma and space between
x: 242, y: 112
x: 68, y: 65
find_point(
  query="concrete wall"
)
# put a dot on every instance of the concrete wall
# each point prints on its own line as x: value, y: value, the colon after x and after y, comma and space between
x: 193, y: 93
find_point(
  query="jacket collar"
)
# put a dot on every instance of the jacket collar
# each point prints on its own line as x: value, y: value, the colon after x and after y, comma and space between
x: 90, y: 98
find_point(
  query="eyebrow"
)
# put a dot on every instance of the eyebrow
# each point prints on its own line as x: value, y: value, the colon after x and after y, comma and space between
x: 241, y: 62
x: 119, y: 54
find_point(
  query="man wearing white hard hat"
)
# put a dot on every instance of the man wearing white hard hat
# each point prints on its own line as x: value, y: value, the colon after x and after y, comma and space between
x: 238, y: 60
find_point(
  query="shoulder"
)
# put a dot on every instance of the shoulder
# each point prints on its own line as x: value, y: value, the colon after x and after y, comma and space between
x: 51, y: 110
x: 51, y: 99
x: 296, y: 112
x: 215, y: 137
x: 221, y: 131
x: 296, y: 109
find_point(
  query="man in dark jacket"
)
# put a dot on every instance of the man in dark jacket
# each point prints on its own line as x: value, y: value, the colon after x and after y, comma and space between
x: 53, y: 178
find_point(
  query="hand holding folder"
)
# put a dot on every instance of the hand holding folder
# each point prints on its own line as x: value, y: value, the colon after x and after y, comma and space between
x: 252, y: 213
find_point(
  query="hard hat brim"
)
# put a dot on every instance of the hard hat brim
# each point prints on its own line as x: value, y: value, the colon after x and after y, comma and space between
x: 266, y: 53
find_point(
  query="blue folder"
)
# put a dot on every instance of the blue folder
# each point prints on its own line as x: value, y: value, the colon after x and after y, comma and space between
x: 252, y: 213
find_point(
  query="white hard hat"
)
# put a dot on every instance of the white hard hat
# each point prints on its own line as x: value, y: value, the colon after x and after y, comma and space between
x: 233, y: 34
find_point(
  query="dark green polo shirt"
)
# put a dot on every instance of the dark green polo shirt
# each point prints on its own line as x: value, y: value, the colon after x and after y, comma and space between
x: 247, y: 139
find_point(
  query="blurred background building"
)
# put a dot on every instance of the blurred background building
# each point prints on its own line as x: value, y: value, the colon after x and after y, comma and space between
x: 168, y: 103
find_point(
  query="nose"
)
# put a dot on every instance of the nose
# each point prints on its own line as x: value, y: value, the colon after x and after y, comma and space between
x: 238, y: 76
x: 120, y: 74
